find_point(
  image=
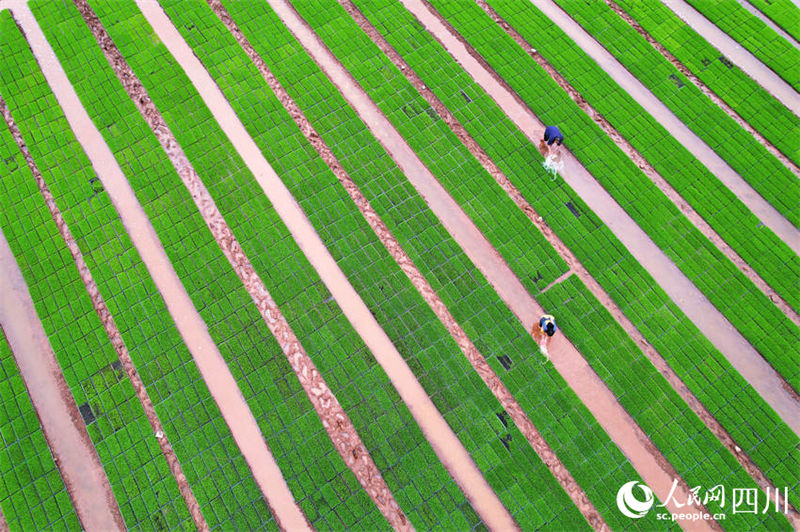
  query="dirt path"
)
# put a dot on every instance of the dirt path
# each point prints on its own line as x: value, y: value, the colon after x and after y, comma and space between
x: 420, y: 283
x: 788, y: 163
x: 766, y: 20
x: 749, y: 63
x: 63, y: 426
x: 740, y: 188
x: 765, y: 212
x: 564, y: 252
x: 444, y: 442
x: 190, y: 325
x: 112, y: 331
x: 629, y: 437
x: 335, y: 420
x: 679, y: 288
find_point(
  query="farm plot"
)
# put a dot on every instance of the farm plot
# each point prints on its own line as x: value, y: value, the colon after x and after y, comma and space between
x: 752, y: 33
x: 391, y: 18
x: 440, y: 303
x: 32, y: 492
x: 734, y: 295
x: 319, y: 479
x: 143, y: 485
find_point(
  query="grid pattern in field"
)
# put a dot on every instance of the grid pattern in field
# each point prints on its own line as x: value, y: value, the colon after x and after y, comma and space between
x: 725, y: 213
x: 32, y: 492
x: 692, y: 356
x: 737, y: 147
x: 143, y: 485
x: 316, y: 474
x: 390, y: 18
x: 215, y: 469
x: 386, y: 290
x: 495, y: 331
x: 740, y: 91
x: 754, y: 35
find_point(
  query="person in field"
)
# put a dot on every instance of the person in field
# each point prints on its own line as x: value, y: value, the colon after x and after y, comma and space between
x: 551, y: 135
x: 543, y: 331
x: 547, y: 325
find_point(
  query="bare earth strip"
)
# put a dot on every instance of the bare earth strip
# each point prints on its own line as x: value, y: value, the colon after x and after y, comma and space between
x: 3, y: 523
x: 110, y: 327
x: 747, y: 361
x: 420, y: 283
x: 335, y: 420
x: 648, y: 461
x: 765, y: 212
x: 63, y: 426
x: 768, y: 21
x: 709, y: 93
x: 427, y: 20
x: 444, y: 442
x: 754, y: 68
x: 190, y: 325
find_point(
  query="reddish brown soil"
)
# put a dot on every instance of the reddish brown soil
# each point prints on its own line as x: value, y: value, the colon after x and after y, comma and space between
x: 63, y: 427
x: 110, y: 326
x: 705, y: 88
x: 567, y: 360
x: 771, y: 386
x: 334, y: 419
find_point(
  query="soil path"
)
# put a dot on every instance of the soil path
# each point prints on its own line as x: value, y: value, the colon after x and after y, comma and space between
x: 677, y: 286
x: 188, y: 321
x: 444, y: 442
x: 749, y: 63
x: 653, y: 467
x: 416, y: 277
x: 63, y: 426
x: 765, y: 212
x: 336, y: 422
x: 705, y: 89
x: 792, y: 233
x: 564, y: 252
x: 110, y: 326
x: 766, y: 20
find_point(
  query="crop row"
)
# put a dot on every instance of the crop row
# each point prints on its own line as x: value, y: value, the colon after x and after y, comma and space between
x: 711, y: 124
x: 751, y: 101
x: 146, y: 490
x: 411, y: 324
x: 755, y: 35
x: 692, y: 448
x: 783, y: 13
x: 32, y: 492
x: 567, y: 426
x: 766, y: 254
x: 734, y: 402
x: 389, y: 431
x: 191, y: 419
x: 320, y: 481
x: 429, y: 60
x: 737, y: 298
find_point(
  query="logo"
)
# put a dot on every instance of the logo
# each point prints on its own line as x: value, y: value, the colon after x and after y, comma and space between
x: 629, y: 505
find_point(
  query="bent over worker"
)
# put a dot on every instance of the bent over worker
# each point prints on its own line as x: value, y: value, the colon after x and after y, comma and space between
x: 552, y: 134
x: 547, y: 324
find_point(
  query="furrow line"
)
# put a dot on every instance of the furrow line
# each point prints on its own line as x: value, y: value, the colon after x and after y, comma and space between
x: 757, y: 70
x: 109, y: 325
x: 704, y: 88
x: 448, y: 448
x: 190, y: 324
x: 419, y: 281
x: 63, y: 427
x: 747, y: 361
x: 569, y: 257
x: 644, y: 456
x: 335, y: 420
x: 793, y: 239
